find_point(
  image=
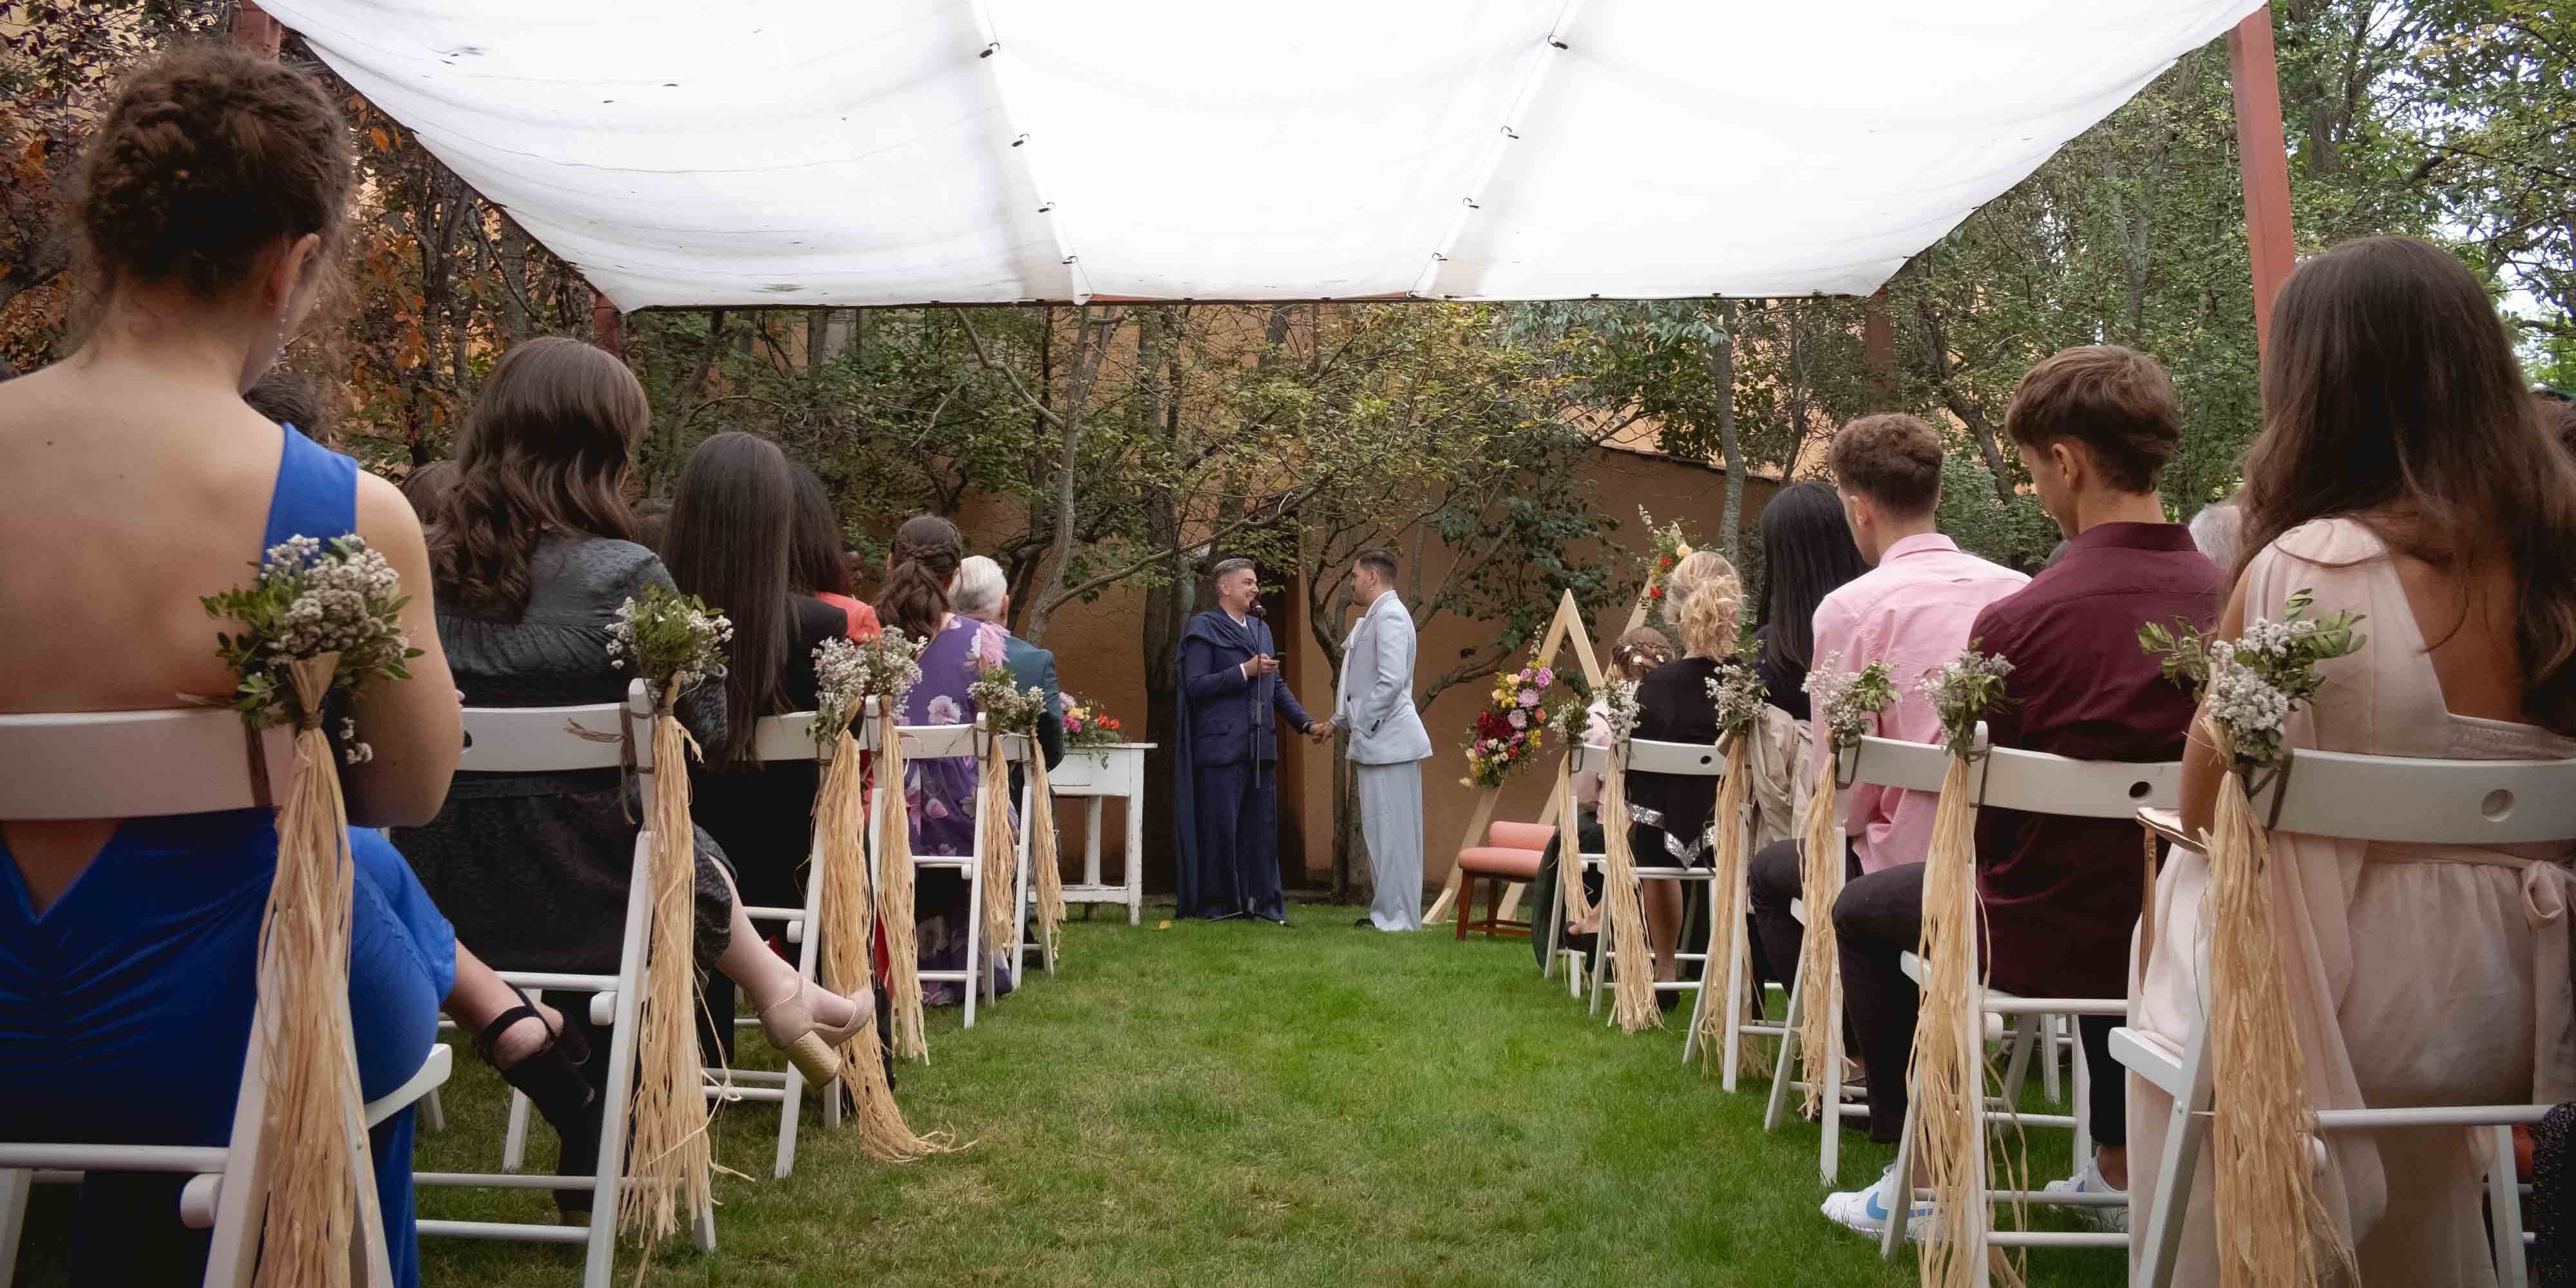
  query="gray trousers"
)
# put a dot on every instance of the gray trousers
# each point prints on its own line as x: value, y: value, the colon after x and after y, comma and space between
x: 1391, y: 822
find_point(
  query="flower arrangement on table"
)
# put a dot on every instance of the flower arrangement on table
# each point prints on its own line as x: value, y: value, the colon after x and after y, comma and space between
x: 1511, y: 731
x: 2259, y: 1124
x: 1669, y: 548
x: 317, y: 620
x: 1088, y: 724
x: 674, y: 642
x: 1845, y: 706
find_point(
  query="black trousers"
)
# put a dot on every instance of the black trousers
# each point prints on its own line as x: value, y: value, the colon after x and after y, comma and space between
x: 1877, y: 920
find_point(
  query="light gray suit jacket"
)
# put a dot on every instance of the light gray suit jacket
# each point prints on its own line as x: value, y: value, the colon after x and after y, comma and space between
x: 1376, y: 695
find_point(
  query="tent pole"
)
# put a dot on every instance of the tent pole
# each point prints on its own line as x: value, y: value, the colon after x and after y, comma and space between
x: 2263, y: 157
x: 1878, y: 351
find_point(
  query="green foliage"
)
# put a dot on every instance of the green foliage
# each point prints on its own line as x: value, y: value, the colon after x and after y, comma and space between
x: 673, y: 641
x: 2014, y: 532
x: 308, y: 600
x: 2249, y: 685
x: 1962, y: 691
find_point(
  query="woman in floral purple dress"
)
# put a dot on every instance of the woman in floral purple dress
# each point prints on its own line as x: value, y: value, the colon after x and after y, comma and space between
x: 939, y: 792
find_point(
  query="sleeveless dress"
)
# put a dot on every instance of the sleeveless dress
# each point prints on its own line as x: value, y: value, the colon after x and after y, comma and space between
x: 119, y: 1004
x: 939, y: 792
x: 2417, y: 974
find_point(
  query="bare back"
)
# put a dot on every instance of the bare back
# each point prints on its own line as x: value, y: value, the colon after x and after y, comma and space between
x: 124, y: 497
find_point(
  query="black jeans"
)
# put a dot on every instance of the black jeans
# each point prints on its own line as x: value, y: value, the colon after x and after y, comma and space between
x: 1877, y: 920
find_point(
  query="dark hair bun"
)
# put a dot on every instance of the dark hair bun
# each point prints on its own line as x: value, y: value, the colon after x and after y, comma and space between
x: 209, y: 157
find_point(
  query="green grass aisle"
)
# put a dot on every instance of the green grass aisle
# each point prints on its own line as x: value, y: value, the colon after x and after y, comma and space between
x: 1241, y: 1104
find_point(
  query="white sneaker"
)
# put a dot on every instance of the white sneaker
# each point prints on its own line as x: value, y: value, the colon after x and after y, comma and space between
x: 1866, y: 1211
x: 2089, y: 1181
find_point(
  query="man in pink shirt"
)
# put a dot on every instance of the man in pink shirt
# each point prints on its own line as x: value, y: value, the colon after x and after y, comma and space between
x: 1913, y: 610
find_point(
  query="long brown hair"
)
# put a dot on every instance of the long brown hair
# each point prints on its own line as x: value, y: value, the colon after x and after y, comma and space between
x: 546, y: 447
x: 2390, y: 387
x: 927, y: 550
x: 727, y: 545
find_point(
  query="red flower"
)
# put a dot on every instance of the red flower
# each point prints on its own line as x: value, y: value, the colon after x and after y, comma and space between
x: 1655, y: 593
x: 1665, y: 562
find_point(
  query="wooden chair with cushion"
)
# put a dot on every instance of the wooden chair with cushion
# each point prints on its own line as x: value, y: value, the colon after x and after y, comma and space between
x: 1511, y: 852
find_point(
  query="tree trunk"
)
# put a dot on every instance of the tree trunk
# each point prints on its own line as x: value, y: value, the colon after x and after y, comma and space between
x: 1721, y: 365
x: 677, y: 426
x: 1098, y: 328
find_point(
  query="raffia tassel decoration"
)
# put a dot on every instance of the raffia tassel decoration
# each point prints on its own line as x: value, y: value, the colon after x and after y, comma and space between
x: 1043, y: 854
x: 1949, y: 1040
x: 894, y: 893
x: 1820, y: 883
x: 318, y: 1174
x: 670, y: 1156
x: 2274, y: 1220
x: 1632, y: 966
x: 840, y: 817
x: 1001, y: 847
x: 1569, y: 869
x: 1726, y: 925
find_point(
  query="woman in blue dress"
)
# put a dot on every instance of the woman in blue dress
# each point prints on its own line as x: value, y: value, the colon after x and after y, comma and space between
x: 134, y: 479
x: 939, y: 792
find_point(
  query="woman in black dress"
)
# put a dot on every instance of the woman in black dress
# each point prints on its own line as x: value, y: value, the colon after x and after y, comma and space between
x: 1807, y: 554
x: 1669, y: 813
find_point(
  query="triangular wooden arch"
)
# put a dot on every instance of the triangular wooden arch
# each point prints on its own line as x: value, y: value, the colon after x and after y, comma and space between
x: 1566, y: 628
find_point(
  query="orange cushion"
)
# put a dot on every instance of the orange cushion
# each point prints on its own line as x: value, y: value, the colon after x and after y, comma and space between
x: 1519, y: 836
x: 1496, y: 860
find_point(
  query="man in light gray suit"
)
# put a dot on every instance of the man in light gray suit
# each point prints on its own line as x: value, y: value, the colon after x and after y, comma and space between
x: 1388, y: 743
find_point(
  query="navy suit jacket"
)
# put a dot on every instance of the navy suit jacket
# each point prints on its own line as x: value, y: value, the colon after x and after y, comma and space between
x: 1231, y: 715
x: 1034, y: 667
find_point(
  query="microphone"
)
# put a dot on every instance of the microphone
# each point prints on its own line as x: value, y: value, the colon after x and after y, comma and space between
x: 1260, y: 612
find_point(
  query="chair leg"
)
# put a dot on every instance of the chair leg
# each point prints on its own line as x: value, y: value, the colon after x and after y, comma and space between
x: 2175, y: 1171
x: 15, y: 1185
x: 1494, y: 889
x: 1784, y: 1069
x: 2083, y: 1106
x: 2048, y: 1048
x: 601, y: 1259
x: 2026, y: 1031
x: 1600, y: 955
x: 979, y: 972
x: 1555, y: 923
x: 1467, y: 882
x: 1829, y: 1152
x: 1893, y: 1237
x: 1735, y: 952
x: 433, y: 1117
x: 2504, y: 1212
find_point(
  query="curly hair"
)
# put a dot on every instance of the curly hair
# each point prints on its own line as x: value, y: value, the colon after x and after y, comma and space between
x: 1704, y: 600
x: 927, y: 550
x: 208, y: 158
x: 1640, y: 651
x: 545, y: 448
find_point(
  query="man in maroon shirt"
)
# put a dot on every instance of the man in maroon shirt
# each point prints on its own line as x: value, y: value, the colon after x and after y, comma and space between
x: 2094, y: 425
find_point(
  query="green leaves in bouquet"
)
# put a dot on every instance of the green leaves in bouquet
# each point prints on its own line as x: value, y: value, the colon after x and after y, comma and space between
x: 1962, y: 691
x: 673, y: 641
x: 309, y: 598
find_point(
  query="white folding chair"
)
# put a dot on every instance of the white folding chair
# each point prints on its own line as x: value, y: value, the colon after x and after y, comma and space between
x: 2038, y: 783
x: 524, y: 740
x: 776, y: 739
x: 1018, y: 749
x: 154, y: 764
x: 2394, y: 800
x: 1682, y: 760
x: 1881, y: 762
x: 950, y: 742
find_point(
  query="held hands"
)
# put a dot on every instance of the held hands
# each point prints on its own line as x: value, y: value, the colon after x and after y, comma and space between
x: 1320, y: 731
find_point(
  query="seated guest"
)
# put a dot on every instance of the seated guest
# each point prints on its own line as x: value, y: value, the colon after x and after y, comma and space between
x: 2213, y: 531
x: 1637, y: 654
x: 1807, y: 554
x: 1669, y: 813
x: 530, y: 563
x: 728, y: 542
x: 982, y: 594
x: 2094, y: 426
x: 815, y: 563
x: 129, y: 948
x: 1914, y: 610
x: 2399, y: 474
x: 940, y: 791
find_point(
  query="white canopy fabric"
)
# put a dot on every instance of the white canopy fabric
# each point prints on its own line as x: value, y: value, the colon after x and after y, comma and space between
x: 826, y: 152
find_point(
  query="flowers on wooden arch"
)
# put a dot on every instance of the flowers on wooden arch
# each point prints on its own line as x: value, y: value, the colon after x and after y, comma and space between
x: 1509, y: 732
x: 1669, y: 548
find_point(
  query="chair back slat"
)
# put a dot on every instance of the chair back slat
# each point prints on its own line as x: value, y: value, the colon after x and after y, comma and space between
x: 1646, y: 756
x: 787, y: 737
x: 540, y: 740
x: 2044, y: 784
x: 132, y: 764
x: 936, y: 740
x: 1886, y: 762
x: 2405, y: 800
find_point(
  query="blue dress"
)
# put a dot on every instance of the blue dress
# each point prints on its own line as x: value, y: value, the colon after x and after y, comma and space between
x: 120, y: 1002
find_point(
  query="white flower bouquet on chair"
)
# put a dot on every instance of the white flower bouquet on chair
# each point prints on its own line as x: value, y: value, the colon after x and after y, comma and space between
x: 1623, y: 908
x: 1844, y: 706
x: 2259, y: 1125
x: 672, y: 642
x: 1007, y: 708
x: 1739, y: 696
x: 317, y: 623
x: 850, y: 675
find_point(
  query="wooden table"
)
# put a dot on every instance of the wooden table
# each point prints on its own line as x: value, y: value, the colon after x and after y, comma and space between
x: 1093, y: 775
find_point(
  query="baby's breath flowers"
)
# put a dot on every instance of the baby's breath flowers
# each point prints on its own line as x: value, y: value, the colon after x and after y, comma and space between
x: 1619, y: 709
x: 1737, y: 690
x: 848, y: 673
x: 309, y: 600
x: 1964, y: 689
x: 2252, y: 683
x: 1844, y: 701
x: 1006, y: 707
x: 674, y: 641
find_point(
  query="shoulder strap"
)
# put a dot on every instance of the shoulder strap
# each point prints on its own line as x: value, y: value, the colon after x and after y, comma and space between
x: 316, y: 494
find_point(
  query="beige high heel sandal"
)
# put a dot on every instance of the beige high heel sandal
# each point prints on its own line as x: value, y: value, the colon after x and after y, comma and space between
x: 815, y: 1049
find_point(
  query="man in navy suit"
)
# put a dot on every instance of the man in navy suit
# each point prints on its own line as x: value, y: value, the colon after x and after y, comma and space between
x: 1226, y: 808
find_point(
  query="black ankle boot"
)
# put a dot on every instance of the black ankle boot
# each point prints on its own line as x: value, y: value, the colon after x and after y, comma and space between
x: 554, y: 1081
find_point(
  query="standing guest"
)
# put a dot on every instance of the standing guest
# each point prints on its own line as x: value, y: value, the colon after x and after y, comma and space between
x: 940, y: 792
x: 2399, y: 474
x: 2094, y: 427
x: 212, y: 213
x: 728, y: 546
x: 1807, y: 554
x: 816, y: 564
x: 1914, y: 610
x: 1388, y: 743
x: 1669, y: 814
x: 985, y: 595
x: 530, y: 563
x: 1226, y: 820
x: 426, y: 487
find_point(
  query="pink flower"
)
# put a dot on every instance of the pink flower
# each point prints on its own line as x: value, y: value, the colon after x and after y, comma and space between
x: 988, y: 643
x: 1529, y: 697
x: 934, y: 808
x: 1519, y: 718
x: 945, y: 711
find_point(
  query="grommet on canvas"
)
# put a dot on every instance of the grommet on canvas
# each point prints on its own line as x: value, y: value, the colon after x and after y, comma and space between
x: 1556, y: 43
x: 988, y: 49
x: 1020, y: 140
x: 1046, y: 208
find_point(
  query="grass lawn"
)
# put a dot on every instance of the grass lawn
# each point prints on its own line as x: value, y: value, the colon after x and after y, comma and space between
x: 1241, y: 1104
